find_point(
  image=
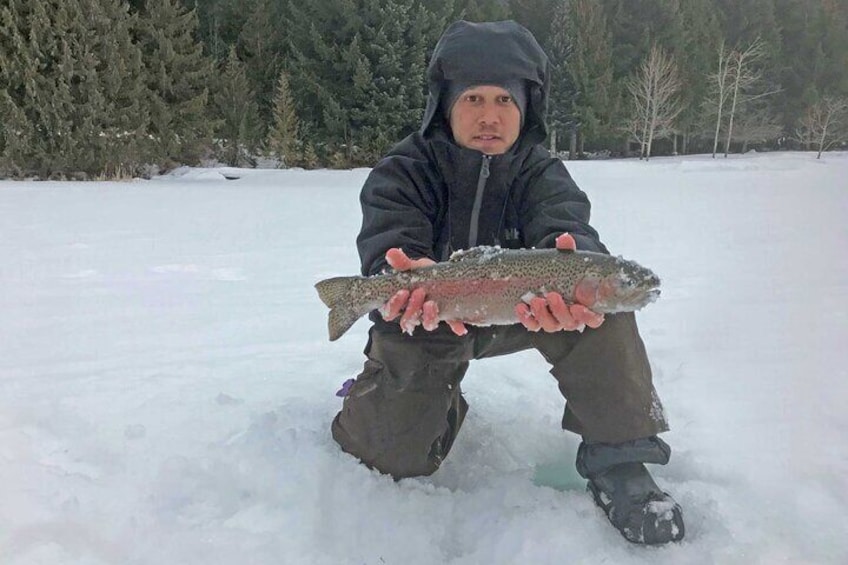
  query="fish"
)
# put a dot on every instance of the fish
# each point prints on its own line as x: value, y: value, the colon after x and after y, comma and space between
x: 481, y: 286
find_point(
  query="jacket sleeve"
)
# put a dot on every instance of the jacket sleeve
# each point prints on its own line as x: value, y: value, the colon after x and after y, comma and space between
x: 551, y: 203
x: 398, y: 210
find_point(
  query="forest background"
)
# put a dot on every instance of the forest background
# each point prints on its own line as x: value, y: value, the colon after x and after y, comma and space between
x: 117, y: 89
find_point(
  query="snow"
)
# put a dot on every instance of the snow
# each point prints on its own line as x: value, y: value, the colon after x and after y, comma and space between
x: 166, y: 382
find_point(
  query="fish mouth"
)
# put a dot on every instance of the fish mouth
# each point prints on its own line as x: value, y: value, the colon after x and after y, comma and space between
x: 630, y: 295
x: 638, y: 299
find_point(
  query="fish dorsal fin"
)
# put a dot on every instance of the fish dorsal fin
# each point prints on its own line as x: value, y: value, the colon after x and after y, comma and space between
x: 479, y: 252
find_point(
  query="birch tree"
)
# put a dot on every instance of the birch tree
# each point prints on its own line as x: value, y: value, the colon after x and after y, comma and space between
x: 720, y: 81
x: 744, y: 76
x: 654, y: 90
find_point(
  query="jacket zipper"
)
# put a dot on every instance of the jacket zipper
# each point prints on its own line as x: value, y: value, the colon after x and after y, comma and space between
x: 478, y: 201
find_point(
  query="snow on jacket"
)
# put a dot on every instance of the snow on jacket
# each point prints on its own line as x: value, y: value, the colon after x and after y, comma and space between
x: 430, y: 197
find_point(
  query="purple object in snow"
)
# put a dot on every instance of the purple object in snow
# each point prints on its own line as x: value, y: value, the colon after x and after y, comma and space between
x: 345, y: 390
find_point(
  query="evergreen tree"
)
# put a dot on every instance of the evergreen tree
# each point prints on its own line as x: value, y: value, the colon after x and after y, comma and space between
x: 177, y: 81
x: 538, y: 16
x: 591, y: 70
x: 745, y: 22
x: 261, y: 44
x: 235, y: 108
x: 834, y: 44
x: 124, y: 127
x: 562, y: 116
x: 18, y: 72
x: 220, y: 22
x: 282, y: 138
x: 72, y: 90
x: 701, y: 39
x: 481, y: 10
x: 636, y: 25
x: 360, y: 64
x: 814, y: 55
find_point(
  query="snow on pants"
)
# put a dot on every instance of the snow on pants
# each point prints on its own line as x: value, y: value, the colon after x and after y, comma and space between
x: 404, y: 411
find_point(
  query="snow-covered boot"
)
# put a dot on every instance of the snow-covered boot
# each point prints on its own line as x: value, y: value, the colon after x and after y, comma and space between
x: 626, y: 492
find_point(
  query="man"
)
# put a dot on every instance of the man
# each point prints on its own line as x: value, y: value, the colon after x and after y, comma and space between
x: 476, y: 174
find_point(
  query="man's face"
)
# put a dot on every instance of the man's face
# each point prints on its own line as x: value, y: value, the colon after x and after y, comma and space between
x: 485, y: 118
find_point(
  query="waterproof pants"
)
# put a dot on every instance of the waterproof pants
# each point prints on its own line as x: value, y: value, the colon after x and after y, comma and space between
x: 404, y: 411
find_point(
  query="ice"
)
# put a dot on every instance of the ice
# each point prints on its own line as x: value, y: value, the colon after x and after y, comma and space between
x: 167, y: 386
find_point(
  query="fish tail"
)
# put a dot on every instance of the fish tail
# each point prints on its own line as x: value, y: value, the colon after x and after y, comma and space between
x: 335, y: 290
x: 340, y: 320
x: 335, y: 293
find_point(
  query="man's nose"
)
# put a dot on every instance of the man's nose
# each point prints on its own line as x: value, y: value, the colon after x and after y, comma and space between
x: 489, y: 114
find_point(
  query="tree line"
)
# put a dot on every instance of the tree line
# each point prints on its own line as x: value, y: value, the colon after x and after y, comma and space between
x: 116, y: 88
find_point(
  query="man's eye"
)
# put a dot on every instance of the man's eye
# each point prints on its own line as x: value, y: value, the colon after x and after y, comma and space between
x: 505, y: 99
x: 472, y: 98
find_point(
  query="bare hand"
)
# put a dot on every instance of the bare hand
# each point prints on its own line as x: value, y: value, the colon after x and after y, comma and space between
x: 551, y: 313
x: 415, y: 308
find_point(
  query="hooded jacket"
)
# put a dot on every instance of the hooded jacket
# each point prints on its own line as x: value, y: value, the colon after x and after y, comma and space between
x: 430, y: 196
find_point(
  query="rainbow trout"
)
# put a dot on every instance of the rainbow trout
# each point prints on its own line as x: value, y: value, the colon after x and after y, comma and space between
x: 481, y: 286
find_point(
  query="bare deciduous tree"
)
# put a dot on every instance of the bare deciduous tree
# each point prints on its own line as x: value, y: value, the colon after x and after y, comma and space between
x: 732, y: 83
x: 743, y: 77
x: 720, y: 81
x: 824, y: 123
x: 654, y: 89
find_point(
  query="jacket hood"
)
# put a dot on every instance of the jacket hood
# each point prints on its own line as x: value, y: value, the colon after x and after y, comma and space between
x: 490, y: 52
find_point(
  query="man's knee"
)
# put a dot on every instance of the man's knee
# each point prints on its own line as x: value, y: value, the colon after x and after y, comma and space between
x: 403, y: 411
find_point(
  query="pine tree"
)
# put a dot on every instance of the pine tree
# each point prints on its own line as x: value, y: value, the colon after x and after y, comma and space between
x: 562, y: 116
x: 72, y: 89
x: 39, y: 137
x: 282, y: 140
x: 124, y: 126
x: 482, y: 10
x: 220, y: 22
x: 235, y: 107
x: 18, y: 74
x: 834, y: 73
x: 538, y: 16
x: 813, y: 55
x: 261, y: 45
x: 701, y: 38
x: 590, y: 67
x: 357, y: 66
x: 178, y: 74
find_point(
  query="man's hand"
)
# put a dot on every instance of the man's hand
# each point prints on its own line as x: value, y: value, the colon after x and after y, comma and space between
x: 551, y: 314
x: 416, y: 309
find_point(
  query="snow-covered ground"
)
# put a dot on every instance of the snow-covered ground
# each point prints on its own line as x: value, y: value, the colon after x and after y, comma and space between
x: 166, y: 382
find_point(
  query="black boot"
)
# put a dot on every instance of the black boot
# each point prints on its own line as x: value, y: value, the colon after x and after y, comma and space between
x: 625, y: 491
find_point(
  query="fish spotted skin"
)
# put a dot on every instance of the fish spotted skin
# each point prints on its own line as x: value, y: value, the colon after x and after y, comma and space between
x: 481, y: 286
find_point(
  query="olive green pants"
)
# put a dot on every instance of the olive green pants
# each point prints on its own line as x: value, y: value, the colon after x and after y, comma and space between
x: 405, y: 409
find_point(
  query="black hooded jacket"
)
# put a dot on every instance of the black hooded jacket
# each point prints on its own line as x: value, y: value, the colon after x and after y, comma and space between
x: 430, y: 197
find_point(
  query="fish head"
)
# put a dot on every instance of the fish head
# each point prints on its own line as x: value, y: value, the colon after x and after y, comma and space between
x: 625, y: 286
